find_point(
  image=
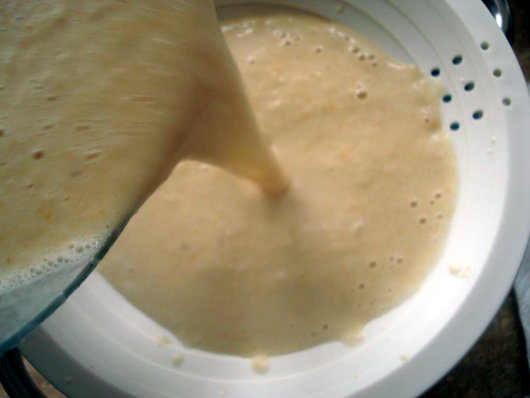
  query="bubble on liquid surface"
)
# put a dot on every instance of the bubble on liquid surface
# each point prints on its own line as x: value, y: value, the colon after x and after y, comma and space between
x: 37, y: 154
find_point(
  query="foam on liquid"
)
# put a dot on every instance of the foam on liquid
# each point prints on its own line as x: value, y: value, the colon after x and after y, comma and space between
x: 373, y: 191
x: 99, y: 100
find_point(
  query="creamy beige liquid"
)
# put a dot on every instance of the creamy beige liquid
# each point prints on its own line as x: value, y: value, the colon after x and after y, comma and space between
x: 98, y: 101
x: 373, y: 191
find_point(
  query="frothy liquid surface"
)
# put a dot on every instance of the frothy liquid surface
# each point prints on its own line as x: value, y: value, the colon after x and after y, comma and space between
x: 98, y: 101
x: 372, y: 195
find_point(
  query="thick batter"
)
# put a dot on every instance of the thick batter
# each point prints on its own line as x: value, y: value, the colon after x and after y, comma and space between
x: 373, y: 189
x: 98, y: 101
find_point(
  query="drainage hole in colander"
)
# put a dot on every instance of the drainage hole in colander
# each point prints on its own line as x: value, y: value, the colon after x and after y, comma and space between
x: 457, y: 59
x: 454, y: 126
x: 447, y: 98
x: 485, y: 45
x: 435, y: 72
x: 506, y: 101
x: 469, y: 86
x: 497, y: 72
x: 478, y: 114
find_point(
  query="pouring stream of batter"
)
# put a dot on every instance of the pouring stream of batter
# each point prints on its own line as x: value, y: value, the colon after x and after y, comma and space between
x: 98, y: 102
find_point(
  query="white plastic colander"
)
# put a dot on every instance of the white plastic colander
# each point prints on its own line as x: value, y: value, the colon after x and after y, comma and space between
x: 102, y: 346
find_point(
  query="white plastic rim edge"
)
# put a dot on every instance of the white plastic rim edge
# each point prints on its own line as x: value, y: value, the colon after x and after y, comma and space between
x: 481, y: 305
